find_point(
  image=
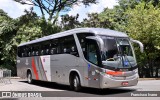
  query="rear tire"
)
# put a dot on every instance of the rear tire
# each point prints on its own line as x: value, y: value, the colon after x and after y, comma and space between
x: 75, y: 83
x: 29, y: 78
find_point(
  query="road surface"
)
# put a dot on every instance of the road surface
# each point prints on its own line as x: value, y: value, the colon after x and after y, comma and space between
x: 59, y: 92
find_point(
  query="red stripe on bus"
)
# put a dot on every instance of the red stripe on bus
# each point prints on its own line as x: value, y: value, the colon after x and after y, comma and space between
x: 43, y: 68
x: 34, y: 69
x: 114, y: 73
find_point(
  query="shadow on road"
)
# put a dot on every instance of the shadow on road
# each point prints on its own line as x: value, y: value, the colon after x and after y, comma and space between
x: 85, y: 91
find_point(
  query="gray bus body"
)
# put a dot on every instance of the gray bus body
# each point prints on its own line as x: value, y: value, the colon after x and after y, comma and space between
x: 59, y: 57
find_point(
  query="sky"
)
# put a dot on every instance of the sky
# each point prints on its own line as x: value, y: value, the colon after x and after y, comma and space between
x: 15, y: 9
x: 83, y: 11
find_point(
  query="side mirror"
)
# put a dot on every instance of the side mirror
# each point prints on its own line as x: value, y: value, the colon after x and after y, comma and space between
x: 140, y: 44
x: 98, y: 39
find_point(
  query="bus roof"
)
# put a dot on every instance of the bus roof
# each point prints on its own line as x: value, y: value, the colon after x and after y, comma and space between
x: 96, y: 31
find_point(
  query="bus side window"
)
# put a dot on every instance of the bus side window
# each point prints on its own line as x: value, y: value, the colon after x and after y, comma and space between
x: 82, y: 41
x: 54, y: 46
x: 22, y: 51
x: 42, y: 52
x: 33, y: 53
x: 92, y: 55
x: 66, y: 50
x: 37, y: 53
x: 43, y: 49
x: 69, y: 46
x: 53, y: 51
x: 46, y: 49
x: 25, y: 52
x: 29, y: 51
x: 74, y: 51
x: 22, y: 54
x: 35, y: 50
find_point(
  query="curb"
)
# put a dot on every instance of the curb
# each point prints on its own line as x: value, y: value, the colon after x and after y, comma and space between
x: 144, y: 79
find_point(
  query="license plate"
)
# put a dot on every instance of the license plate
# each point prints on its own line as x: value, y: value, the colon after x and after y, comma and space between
x: 124, y: 83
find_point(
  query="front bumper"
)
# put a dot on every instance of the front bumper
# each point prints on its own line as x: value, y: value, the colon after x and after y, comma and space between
x: 110, y: 82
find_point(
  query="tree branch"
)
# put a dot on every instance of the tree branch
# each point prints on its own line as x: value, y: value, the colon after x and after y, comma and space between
x: 49, y: 3
x: 40, y: 7
x: 53, y: 10
x: 53, y: 7
x: 23, y: 3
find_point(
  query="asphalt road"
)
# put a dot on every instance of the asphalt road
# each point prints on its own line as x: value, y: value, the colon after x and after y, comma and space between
x: 59, y: 92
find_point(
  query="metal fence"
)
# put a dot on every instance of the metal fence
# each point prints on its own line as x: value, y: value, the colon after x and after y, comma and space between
x: 5, y: 76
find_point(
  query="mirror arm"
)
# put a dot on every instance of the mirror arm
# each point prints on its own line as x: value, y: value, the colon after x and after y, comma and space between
x: 140, y: 44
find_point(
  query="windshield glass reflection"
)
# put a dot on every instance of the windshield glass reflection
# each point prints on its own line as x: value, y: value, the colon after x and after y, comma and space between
x: 117, y: 53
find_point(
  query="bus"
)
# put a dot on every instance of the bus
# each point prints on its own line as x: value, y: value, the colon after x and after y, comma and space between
x: 82, y: 57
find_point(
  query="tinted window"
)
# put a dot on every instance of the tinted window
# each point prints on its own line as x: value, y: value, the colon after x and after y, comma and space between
x: 23, y: 51
x: 29, y: 51
x: 93, y: 54
x: 90, y: 48
x: 45, y: 48
x: 55, y: 47
x: 35, y: 50
x: 63, y: 45
x: 68, y: 45
x: 82, y: 41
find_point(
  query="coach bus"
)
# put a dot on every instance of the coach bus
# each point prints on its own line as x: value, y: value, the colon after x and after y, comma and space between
x: 82, y: 57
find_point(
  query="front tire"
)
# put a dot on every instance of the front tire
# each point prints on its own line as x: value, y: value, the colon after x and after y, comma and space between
x: 75, y: 84
x: 29, y: 78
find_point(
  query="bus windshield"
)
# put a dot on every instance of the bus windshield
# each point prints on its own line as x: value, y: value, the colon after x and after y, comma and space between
x: 117, y: 53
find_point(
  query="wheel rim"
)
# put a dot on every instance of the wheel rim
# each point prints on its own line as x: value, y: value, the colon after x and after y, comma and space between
x: 29, y: 78
x: 75, y: 82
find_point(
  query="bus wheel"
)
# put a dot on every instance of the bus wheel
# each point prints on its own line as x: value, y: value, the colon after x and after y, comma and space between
x: 29, y: 78
x: 76, y: 83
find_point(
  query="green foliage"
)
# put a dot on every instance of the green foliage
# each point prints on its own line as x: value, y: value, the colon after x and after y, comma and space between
x: 15, y: 31
x: 103, y: 20
x: 48, y: 28
x: 143, y: 24
x: 69, y: 22
x: 8, y: 30
x: 114, y: 17
x: 124, y: 4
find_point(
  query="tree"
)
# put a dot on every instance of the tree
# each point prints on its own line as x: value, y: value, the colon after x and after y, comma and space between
x: 32, y: 27
x: 93, y: 21
x: 70, y: 22
x: 54, y: 7
x: 15, y: 31
x: 108, y: 18
x: 124, y: 4
x: 8, y: 30
x: 143, y: 24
